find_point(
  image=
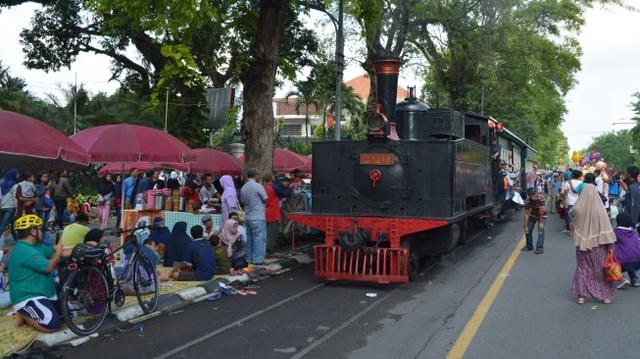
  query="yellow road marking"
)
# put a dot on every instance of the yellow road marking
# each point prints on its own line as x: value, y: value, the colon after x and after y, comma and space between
x: 468, y: 333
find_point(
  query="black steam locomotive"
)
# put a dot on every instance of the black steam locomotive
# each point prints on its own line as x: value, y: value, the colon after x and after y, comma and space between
x: 408, y: 190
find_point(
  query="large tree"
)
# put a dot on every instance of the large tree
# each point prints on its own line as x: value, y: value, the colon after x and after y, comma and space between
x: 617, y: 148
x: 184, y: 47
x: 384, y: 27
x: 512, y: 59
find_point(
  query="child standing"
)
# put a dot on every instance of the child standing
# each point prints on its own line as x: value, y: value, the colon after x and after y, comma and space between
x: 534, y: 212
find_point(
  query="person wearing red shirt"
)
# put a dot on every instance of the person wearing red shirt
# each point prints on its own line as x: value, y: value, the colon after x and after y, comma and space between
x: 272, y: 212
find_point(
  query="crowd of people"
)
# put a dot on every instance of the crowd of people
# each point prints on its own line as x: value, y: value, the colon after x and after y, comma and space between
x: 601, y: 212
x: 32, y: 265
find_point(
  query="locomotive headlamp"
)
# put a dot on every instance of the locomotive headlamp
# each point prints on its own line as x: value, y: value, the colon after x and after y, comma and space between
x: 376, y: 122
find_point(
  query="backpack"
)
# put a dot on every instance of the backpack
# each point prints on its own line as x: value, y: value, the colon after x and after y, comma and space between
x: 87, y: 254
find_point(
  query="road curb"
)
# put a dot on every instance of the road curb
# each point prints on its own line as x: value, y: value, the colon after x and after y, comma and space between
x: 169, y: 303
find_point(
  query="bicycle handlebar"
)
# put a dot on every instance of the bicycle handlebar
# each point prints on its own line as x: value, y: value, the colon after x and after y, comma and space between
x: 133, y: 229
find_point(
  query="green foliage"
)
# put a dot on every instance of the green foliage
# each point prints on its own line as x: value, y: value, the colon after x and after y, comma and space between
x: 614, y: 147
x: 514, y: 60
x: 229, y: 131
x: 182, y: 46
x: 346, y: 133
x: 297, y: 146
x: 635, y: 106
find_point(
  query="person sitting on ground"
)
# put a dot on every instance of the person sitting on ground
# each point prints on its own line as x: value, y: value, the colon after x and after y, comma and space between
x: 160, y: 235
x: 241, y: 229
x: 74, y: 234
x: 200, y: 255
x: 627, y: 250
x: 87, y: 209
x: 149, y: 250
x: 209, y: 228
x: 534, y: 212
x: 177, y: 247
x: 33, y: 293
x: 222, y: 257
x: 235, y: 244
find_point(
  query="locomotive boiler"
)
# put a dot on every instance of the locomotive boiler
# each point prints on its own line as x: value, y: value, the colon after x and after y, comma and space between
x: 406, y: 191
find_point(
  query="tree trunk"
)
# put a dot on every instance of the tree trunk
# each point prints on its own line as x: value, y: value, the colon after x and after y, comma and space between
x: 258, y: 82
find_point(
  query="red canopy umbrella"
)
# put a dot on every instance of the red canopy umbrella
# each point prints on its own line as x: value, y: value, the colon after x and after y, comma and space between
x: 215, y: 162
x: 120, y: 168
x: 28, y: 143
x: 288, y: 161
x: 130, y: 143
x: 126, y: 143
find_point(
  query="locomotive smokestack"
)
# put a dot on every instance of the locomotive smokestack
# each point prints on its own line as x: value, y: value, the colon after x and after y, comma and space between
x: 387, y: 85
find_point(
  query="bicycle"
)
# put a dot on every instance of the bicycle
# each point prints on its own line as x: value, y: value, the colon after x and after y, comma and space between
x: 92, y: 284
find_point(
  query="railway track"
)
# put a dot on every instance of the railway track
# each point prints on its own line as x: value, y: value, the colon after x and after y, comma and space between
x: 384, y: 292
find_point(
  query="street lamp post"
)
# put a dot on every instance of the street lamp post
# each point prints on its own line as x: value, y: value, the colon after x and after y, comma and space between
x: 339, y: 57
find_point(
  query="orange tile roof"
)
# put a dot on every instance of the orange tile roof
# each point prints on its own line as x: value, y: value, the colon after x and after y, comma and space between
x: 286, y: 107
x: 362, y: 86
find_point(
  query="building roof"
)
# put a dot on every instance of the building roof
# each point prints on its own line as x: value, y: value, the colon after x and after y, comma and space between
x: 362, y: 86
x: 287, y: 107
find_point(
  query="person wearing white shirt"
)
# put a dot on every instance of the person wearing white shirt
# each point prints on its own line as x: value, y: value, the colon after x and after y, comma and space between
x: 571, y: 196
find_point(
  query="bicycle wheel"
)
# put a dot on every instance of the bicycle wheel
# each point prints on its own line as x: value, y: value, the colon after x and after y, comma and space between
x: 145, y: 284
x: 85, y: 300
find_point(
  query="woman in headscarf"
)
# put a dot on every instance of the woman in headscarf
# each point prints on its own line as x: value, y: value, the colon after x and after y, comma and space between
x: 8, y: 198
x: 229, y: 196
x: 105, y: 198
x: 231, y: 238
x: 593, y: 238
x: 173, y: 183
x: 178, y: 244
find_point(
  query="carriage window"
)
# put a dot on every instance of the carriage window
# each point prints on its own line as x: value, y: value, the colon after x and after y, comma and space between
x: 472, y: 132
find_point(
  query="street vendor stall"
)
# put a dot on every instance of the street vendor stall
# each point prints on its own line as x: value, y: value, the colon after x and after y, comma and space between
x: 192, y: 219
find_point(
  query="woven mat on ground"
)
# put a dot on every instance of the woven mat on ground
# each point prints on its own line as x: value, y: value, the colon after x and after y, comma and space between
x: 13, y: 339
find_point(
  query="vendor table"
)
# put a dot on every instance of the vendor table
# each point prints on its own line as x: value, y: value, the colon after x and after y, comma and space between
x: 192, y: 219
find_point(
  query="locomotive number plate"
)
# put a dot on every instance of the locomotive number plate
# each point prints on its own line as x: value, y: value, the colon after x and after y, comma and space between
x: 377, y: 159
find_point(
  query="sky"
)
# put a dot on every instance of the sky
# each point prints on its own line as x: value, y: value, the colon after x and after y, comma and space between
x: 609, y: 76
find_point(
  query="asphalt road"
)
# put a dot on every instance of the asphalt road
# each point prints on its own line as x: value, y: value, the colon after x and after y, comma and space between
x: 294, y: 315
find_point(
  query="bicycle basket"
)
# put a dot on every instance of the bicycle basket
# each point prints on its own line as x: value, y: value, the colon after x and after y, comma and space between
x: 87, y: 254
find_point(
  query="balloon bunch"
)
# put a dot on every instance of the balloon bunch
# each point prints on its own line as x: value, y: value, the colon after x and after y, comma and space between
x: 593, y: 158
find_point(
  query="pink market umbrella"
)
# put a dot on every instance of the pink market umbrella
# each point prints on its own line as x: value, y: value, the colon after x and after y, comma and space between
x: 130, y: 143
x: 31, y: 144
x: 215, y: 162
x: 288, y: 161
x: 119, y: 168
x: 124, y: 143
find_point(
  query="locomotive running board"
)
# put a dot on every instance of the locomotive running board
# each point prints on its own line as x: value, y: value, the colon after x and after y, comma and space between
x: 381, y: 265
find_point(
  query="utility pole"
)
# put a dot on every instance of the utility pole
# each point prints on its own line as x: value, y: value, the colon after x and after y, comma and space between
x: 166, y: 111
x: 339, y: 67
x: 75, y: 105
x: 482, y: 101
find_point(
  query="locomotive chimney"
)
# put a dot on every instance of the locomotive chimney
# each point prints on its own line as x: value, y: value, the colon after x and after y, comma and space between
x: 387, y: 70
